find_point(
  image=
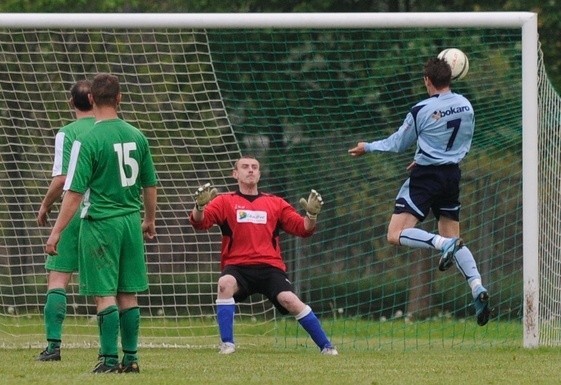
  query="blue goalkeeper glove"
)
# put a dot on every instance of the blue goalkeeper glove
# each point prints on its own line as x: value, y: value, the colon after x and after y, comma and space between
x: 203, y: 195
x: 312, y: 205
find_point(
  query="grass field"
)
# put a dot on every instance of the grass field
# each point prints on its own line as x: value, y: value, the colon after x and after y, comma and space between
x: 265, y: 365
x: 372, y: 353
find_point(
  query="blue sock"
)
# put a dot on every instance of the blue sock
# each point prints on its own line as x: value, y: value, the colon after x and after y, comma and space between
x: 311, y: 324
x: 225, y: 309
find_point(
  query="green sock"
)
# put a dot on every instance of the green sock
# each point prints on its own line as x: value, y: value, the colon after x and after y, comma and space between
x: 130, y: 326
x: 54, y: 315
x: 108, y: 323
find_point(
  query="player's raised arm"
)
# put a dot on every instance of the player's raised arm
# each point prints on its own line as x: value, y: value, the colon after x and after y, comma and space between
x: 312, y: 206
x: 203, y: 196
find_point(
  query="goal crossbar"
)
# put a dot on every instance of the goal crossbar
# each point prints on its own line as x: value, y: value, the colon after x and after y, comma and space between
x: 267, y: 20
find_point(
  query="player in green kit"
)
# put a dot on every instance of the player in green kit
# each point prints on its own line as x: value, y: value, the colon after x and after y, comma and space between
x: 112, y: 170
x: 61, y: 267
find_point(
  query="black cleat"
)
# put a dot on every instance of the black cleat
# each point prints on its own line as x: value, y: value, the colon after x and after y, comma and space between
x: 101, y: 367
x: 131, y: 367
x: 45, y: 355
x: 482, y: 310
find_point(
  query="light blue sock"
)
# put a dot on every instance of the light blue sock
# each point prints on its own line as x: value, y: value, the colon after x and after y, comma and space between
x: 414, y: 237
x: 311, y: 324
x: 225, y: 310
x: 467, y: 266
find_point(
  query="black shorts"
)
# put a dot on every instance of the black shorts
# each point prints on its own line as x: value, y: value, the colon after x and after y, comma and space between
x: 435, y: 188
x: 261, y: 279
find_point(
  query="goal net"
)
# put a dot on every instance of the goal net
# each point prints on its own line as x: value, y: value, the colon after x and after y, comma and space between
x: 297, y: 91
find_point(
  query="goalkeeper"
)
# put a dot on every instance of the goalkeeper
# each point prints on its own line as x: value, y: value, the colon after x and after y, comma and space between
x: 251, y: 261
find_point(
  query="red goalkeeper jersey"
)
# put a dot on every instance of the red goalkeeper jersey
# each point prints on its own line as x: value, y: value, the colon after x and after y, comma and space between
x: 251, y: 227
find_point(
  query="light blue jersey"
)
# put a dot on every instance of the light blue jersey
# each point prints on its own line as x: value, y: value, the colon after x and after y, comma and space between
x: 442, y: 126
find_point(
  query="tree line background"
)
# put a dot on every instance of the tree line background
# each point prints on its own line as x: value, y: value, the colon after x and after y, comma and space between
x: 284, y: 167
x: 549, y: 12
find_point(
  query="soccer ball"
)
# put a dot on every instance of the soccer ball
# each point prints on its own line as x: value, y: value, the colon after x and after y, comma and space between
x: 457, y: 60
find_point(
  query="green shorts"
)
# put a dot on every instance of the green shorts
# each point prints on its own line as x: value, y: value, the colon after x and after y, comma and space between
x: 67, y: 259
x: 112, y: 256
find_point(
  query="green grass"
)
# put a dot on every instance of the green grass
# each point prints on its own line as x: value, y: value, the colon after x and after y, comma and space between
x: 267, y: 365
x: 349, y: 333
x: 441, y: 351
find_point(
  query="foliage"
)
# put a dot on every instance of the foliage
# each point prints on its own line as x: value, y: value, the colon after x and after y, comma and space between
x: 311, y: 94
x: 549, y: 12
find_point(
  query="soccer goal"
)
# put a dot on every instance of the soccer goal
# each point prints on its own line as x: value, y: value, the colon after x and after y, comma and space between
x: 297, y: 91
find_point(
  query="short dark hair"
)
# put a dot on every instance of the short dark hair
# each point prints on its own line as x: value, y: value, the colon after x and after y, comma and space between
x: 243, y: 157
x: 105, y: 89
x: 439, y: 72
x: 79, y: 95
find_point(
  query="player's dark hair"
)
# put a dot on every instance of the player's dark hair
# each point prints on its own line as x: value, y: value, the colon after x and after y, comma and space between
x: 439, y: 72
x: 105, y: 89
x: 79, y: 95
x: 243, y: 157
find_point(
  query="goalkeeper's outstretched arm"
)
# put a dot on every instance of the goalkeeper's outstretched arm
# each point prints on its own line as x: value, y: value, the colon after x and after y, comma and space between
x: 312, y: 206
x: 203, y: 196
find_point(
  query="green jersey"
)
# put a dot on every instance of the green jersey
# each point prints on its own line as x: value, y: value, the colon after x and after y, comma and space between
x: 67, y: 258
x: 110, y: 165
x: 63, y: 143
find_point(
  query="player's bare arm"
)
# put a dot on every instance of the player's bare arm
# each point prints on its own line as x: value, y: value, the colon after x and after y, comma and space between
x: 411, y: 166
x: 149, y: 222
x: 359, y: 150
x: 69, y: 206
x: 53, y: 194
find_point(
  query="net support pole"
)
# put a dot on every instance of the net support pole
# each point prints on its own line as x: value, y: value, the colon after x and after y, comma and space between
x: 530, y: 206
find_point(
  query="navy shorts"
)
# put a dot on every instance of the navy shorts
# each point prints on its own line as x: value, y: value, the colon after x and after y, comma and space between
x: 435, y: 188
x: 261, y: 279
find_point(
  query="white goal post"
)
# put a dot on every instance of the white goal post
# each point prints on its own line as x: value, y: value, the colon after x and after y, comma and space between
x: 526, y: 21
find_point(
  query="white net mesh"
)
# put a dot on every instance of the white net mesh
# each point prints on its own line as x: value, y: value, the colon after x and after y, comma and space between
x: 171, y: 94
x: 298, y: 98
